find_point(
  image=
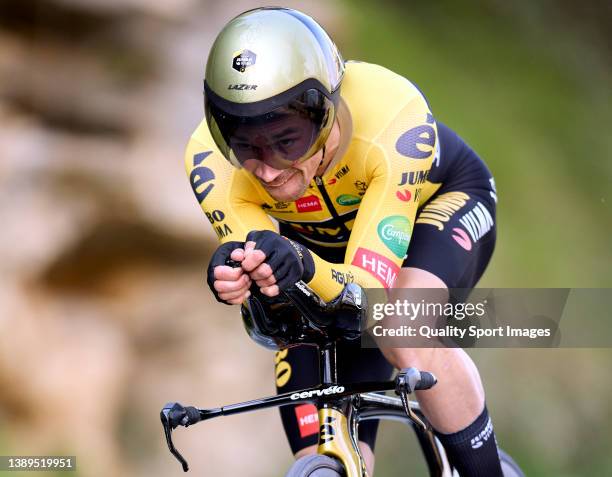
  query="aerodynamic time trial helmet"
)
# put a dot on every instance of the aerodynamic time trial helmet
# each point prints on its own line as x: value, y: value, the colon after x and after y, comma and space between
x: 272, y: 87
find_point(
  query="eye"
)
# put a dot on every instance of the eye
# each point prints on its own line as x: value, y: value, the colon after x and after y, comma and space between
x: 242, y: 146
x: 286, y: 142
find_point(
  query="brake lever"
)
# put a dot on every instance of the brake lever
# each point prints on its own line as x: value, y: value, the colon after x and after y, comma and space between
x: 173, y: 415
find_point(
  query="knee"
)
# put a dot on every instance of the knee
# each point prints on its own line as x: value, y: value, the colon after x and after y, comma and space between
x: 400, y: 358
x: 436, y: 360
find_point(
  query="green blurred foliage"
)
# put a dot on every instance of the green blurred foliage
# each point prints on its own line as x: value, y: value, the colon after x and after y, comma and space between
x: 533, y: 99
x: 528, y: 87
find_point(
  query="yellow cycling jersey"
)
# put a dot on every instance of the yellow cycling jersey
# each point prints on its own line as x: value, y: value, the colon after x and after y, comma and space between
x: 365, y: 202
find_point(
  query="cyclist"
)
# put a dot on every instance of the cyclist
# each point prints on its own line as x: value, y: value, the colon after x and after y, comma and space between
x: 350, y: 162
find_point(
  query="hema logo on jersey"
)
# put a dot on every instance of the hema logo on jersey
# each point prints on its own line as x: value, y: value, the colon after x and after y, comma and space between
x: 308, y: 419
x: 310, y: 203
x: 379, y: 266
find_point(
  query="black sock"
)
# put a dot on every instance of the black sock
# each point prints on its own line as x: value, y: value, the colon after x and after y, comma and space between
x: 473, y: 450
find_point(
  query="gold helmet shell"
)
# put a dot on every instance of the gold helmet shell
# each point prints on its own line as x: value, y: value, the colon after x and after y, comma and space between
x: 269, y: 60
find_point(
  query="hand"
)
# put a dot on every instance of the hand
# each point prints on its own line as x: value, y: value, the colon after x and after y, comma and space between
x: 276, y: 263
x: 254, y: 264
x: 229, y: 285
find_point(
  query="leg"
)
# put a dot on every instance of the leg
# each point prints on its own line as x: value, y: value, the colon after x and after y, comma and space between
x: 456, y: 371
x: 297, y: 368
x: 452, y: 242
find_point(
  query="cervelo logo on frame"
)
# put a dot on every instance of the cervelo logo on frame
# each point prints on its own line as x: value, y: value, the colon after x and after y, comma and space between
x: 310, y: 203
x: 318, y: 392
x: 379, y: 266
x: 394, y: 231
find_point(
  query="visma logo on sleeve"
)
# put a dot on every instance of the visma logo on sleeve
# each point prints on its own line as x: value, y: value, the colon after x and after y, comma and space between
x: 394, y: 231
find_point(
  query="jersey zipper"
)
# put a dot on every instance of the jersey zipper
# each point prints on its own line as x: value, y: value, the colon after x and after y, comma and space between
x: 330, y: 206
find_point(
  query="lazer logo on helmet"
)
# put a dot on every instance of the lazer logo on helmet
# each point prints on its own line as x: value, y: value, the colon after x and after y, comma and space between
x: 318, y: 392
x: 242, y: 86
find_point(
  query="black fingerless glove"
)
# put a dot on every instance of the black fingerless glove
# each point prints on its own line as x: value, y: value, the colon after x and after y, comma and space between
x: 289, y: 260
x: 220, y: 257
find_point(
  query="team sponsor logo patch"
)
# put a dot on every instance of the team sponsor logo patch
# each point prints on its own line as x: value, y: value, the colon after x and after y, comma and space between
x: 343, y: 171
x: 418, y: 142
x: 440, y: 210
x: 379, y: 266
x: 403, y: 195
x: 310, y: 203
x: 477, y: 222
x: 348, y: 199
x: 361, y: 187
x: 461, y: 237
x: 243, y: 59
x: 414, y: 177
x: 308, y: 419
x: 394, y: 231
x: 201, y: 177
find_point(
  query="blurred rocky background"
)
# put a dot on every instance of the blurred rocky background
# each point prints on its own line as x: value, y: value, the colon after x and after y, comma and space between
x: 104, y: 315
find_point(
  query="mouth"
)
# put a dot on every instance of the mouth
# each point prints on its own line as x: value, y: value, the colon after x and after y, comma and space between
x: 279, y: 181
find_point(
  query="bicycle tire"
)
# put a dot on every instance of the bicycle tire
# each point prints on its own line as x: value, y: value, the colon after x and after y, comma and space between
x: 509, y: 467
x: 316, y: 465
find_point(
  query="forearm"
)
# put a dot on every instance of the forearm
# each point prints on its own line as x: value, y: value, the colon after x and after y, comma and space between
x: 330, y: 278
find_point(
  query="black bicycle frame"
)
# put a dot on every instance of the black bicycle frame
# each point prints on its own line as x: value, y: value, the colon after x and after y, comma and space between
x: 351, y: 403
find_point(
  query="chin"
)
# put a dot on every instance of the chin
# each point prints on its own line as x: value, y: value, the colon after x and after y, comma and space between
x: 289, y: 191
x: 292, y: 190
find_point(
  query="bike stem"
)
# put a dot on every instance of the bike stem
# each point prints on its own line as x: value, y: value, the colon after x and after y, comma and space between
x: 327, y: 364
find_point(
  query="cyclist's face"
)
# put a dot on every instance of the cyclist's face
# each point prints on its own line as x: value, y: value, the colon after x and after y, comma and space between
x: 285, y: 184
x: 266, y: 153
x: 279, y: 142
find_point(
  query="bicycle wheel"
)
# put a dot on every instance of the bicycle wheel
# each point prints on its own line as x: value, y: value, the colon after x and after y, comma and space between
x: 316, y: 465
x: 509, y: 467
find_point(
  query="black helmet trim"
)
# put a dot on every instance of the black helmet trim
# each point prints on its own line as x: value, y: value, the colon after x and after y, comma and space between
x: 264, y: 106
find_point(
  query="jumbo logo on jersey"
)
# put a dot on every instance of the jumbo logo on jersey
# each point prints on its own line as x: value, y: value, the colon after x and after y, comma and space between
x: 310, y: 203
x: 394, y: 231
x: 200, y: 175
x: 414, y: 177
x: 418, y: 142
x: 243, y: 60
x: 379, y: 266
x: 217, y: 217
x: 440, y: 210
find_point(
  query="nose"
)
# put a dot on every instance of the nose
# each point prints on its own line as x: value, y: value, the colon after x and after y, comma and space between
x: 265, y: 172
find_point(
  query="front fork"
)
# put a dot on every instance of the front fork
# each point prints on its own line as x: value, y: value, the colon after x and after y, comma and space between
x: 335, y: 438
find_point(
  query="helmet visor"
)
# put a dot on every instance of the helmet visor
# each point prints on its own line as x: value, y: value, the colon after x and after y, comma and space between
x: 281, y: 137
